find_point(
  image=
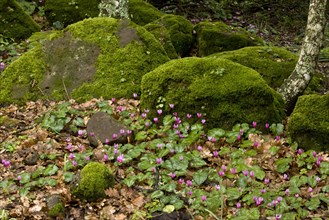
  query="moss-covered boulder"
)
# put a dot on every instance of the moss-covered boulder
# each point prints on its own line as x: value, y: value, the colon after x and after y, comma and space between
x: 308, y: 125
x: 142, y: 12
x: 14, y: 22
x: 66, y: 12
x: 162, y: 35
x: 180, y: 31
x: 274, y: 64
x: 213, y: 37
x: 228, y: 92
x: 98, y: 57
x: 93, y: 180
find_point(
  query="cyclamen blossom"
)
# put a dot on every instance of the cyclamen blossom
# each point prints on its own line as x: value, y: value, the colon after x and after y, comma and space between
x: 158, y: 160
x: 181, y: 181
x: 188, y: 116
x: 106, y: 158
x: 215, y: 153
x: 254, y: 124
x: 189, y: 183
x: 114, y: 136
x: 199, y: 148
x: 155, y: 120
x: 199, y: 115
x: 245, y: 172
x: 122, y: 131
x: 267, y: 125
x: 203, y: 198
x: 171, y: 106
x: 203, y: 121
x: 129, y: 132
x: 71, y: 156
x: 172, y: 175
x: 221, y: 173
x: 120, y: 158
x: 159, y: 111
x: 251, y: 174
x: 233, y: 170
x: 238, y: 205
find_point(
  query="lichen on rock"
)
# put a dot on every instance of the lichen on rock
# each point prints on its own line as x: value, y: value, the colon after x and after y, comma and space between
x: 213, y: 37
x: 308, y: 124
x: 227, y: 92
x: 93, y: 180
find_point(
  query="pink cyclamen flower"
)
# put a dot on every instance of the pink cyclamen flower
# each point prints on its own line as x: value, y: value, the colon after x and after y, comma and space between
x: 171, y: 106
x: 252, y: 174
x: 296, y: 195
x: 267, y: 125
x: 122, y: 131
x: 239, y: 137
x: 317, y: 179
x: 254, y: 124
x: 285, y: 176
x: 188, y: 116
x: 233, y: 170
x: 114, y: 136
x: 314, y: 153
x: 287, y: 191
x: 199, y: 148
x: 19, y: 178
x: 262, y: 191
x: 217, y: 187
x: 189, y: 193
x: 159, y: 111
x: 224, y: 168
x: 74, y: 163
x: 113, y: 99
x: 203, y: 198
x: 172, y: 175
x: 69, y: 147
x: 279, y: 199
x: 120, y: 108
x: 256, y: 144
x: 181, y: 181
x: 92, y: 134
x: 115, y: 151
x: 310, y: 189
x: 189, y: 183
x: 221, y: 173
x: 120, y: 158
x: 278, y: 216
x: 106, y: 158
x: 277, y: 138
x: 299, y: 151
x: 81, y: 133
x: 215, y: 153
x: 135, y: 95
x: 238, y: 205
x: 156, y: 120
x: 158, y: 160
x: 245, y: 172
x: 71, y: 156
x: 146, y: 110
x: 87, y: 158
x: 107, y: 141
x: 266, y: 181
x: 199, y: 115
x: 129, y: 132
x: 203, y: 121
x: 144, y: 115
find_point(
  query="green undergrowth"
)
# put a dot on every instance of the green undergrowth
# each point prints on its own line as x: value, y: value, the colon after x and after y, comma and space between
x: 180, y: 164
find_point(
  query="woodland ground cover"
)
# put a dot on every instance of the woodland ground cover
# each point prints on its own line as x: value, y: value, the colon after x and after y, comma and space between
x: 172, y: 162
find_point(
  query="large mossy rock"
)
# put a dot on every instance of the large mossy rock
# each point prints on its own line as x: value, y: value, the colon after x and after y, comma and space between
x: 66, y: 12
x: 93, y: 180
x: 14, y: 22
x: 97, y: 57
x: 213, y: 37
x: 228, y: 92
x: 142, y: 12
x: 274, y: 64
x: 308, y: 125
x: 180, y: 31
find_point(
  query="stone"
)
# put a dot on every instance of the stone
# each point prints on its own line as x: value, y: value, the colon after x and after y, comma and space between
x: 308, y: 124
x: 14, y: 22
x: 180, y: 31
x: 97, y: 57
x: 101, y: 127
x: 55, y: 206
x: 93, y: 179
x: 274, y: 64
x: 227, y: 92
x: 213, y: 37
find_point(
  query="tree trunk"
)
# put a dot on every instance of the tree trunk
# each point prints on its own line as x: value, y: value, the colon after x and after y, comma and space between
x: 297, y: 82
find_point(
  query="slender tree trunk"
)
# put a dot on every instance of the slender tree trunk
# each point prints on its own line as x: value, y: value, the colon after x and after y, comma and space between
x: 297, y: 82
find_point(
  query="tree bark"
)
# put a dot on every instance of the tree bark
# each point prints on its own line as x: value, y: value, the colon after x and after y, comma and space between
x: 297, y: 82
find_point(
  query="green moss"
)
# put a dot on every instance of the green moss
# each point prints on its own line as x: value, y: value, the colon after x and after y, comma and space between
x: 180, y: 31
x: 162, y: 35
x: 142, y: 12
x: 228, y: 92
x: 57, y: 210
x: 19, y: 82
x: 68, y: 12
x: 14, y: 22
x: 273, y: 63
x: 308, y: 125
x: 92, y: 58
x: 127, y: 53
x: 94, y: 179
x: 213, y: 37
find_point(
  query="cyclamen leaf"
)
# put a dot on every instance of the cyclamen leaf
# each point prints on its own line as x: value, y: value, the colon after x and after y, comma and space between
x: 200, y: 176
x: 142, y: 135
x: 157, y: 194
x: 324, y: 168
x: 312, y: 204
x: 50, y: 170
x: 283, y: 164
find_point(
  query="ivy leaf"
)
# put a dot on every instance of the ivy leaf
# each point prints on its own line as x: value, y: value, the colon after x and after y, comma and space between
x: 200, y: 176
x: 283, y: 164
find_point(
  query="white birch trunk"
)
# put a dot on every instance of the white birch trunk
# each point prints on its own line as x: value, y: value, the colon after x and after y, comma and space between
x: 303, y: 72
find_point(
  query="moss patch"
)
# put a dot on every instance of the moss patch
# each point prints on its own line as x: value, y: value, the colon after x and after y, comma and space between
x: 213, y: 37
x: 142, y: 12
x: 14, y: 22
x: 180, y: 32
x: 309, y: 122
x: 274, y: 64
x: 227, y: 91
x: 94, y: 179
x: 99, y: 57
x: 68, y: 12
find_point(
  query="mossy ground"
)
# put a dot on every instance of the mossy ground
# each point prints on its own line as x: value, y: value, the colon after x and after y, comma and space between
x: 57, y: 210
x: 228, y: 92
x: 94, y: 179
x: 273, y: 63
x: 213, y: 37
x: 309, y: 122
x: 14, y: 22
